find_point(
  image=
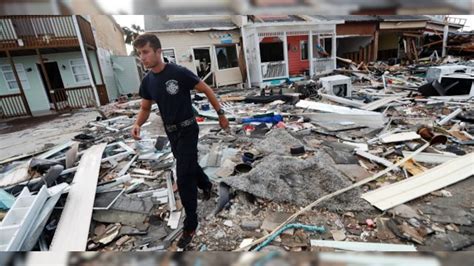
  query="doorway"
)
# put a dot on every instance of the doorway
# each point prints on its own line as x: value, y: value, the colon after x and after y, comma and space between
x: 57, y: 85
x: 202, y: 63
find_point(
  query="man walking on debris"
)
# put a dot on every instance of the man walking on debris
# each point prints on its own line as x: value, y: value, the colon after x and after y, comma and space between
x: 169, y: 85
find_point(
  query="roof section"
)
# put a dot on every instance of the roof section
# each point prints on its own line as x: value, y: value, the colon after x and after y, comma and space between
x: 162, y: 24
x: 348, y: 18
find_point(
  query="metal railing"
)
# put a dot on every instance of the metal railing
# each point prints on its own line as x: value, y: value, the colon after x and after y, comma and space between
x: 12, y: 106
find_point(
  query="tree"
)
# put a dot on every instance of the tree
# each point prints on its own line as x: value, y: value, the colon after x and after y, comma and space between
x: 131, y: 34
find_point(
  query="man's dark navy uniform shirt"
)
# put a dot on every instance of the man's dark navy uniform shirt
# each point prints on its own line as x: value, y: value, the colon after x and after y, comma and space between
x: 171, y: 90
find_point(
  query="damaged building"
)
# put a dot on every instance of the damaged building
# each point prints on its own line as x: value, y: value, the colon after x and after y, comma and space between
x: 335, y: 144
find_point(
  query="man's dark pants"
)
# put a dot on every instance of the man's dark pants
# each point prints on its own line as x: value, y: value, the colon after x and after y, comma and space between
x: 190, y: 174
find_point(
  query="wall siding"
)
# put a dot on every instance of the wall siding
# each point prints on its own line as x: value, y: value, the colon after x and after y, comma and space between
x: 295, y: 64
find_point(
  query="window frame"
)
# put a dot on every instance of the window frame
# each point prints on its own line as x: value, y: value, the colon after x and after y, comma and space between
x: 72, y: 65
x: 227, y: 46
x: 174, y: 52
x: 20, y: 69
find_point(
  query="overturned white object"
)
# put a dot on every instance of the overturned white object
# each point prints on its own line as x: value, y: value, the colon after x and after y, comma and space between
x: 433, y: 179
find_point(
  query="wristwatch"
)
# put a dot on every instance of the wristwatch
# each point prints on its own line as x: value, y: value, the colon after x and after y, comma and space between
x: 220, y: 112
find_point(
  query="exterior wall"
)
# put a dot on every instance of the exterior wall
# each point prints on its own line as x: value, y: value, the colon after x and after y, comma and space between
x: 184, y: 42
x: 108, y: 34
x: 36, y: 95
x: 359, y: 28
x: 295, y: 64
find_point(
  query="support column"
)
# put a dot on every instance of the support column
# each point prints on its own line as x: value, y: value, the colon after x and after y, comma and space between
x: 375, y: 49
x: 445, y: 37
x: 333, y: 48
x: 285, y: 53
x: 310, y: 50
x: 20, y: 86
x: 259, y: 59
x: 101, y: 76
x: 46, y: 77
x: 86, y: 59
x: 245, y: 45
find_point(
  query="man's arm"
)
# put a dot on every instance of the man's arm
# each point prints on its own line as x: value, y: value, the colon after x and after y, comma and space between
x: 204, y: 88
x: 143, y: 114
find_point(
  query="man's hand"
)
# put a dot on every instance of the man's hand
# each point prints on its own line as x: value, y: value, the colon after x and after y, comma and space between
x: 136, y: 132
x: 223, y: 122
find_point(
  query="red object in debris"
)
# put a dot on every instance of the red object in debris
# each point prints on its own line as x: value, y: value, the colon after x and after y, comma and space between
x: 249, y: 128
x: 280, y: 125
x: 200, y: 119
x: 370, y: 223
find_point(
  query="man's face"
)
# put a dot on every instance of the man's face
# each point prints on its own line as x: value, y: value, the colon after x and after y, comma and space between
x: 148, y: 56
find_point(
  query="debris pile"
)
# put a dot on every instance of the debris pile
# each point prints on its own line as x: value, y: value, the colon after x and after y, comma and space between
x: 373, y: 157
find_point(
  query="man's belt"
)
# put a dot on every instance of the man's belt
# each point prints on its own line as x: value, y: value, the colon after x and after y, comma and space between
x: 185, y: 123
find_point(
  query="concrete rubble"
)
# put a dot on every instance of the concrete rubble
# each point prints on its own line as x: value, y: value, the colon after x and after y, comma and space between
x: 287, y: 147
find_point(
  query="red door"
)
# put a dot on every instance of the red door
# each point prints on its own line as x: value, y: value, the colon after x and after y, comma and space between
x: 298, y: 55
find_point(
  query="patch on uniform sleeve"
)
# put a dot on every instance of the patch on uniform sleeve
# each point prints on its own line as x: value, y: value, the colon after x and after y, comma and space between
x: 172, y: 86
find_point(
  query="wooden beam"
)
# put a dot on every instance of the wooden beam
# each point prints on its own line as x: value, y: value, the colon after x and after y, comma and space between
x: 73, y: 227
x: 436, y: 178
x: 375, y: 49
x: 46, y: 77
x: 20, y: 86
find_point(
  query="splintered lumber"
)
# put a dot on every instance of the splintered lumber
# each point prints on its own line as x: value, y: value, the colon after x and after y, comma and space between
x: 73, y: 227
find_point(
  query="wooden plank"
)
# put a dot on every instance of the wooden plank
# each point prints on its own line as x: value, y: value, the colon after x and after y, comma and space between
x: 372, y: 121
x: 169, y: 185
x: 71, y: 155
x: 375, y: 158
x: 73, y: 227
x: 323, y: 107
x: 343, y: 101
x: 414, y: 168
x: 436, y: 178
x: 173, y: 221
x: 399, y: 137
x: 379, y: 103
x: 434, y: 158
x: 362, y: 246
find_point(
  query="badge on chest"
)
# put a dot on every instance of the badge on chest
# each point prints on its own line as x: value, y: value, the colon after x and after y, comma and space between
x: 172, y: 87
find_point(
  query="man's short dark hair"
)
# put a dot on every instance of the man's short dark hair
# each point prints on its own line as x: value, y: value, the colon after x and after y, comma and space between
x: 145, y: 38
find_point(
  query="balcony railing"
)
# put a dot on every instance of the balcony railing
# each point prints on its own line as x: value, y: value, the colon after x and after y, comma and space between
x: 74, y: 98
x: 323, y: 65
x: 26, y: 32
x: 12, y: 106
x: 272, y: 70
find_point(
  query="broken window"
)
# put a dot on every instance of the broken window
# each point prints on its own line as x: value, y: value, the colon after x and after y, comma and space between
x: 10, y: 77
x: 79, y: 70
x: 271, y: 51
x: 168, y: 56
x: 304, y: 50
x: 227, y: 56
